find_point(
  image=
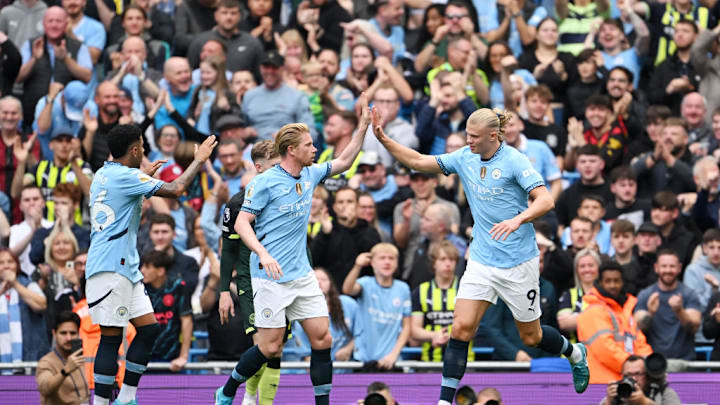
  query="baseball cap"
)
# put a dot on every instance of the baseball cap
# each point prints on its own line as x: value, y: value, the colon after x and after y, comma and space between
x: 370, y: 158
x: 62, y: 131
x: 229, y: 121
x: 170, y: 173
x: 75, y: 95
x: 415, y: 173
x: 272, y: 58
x: 649, y: 227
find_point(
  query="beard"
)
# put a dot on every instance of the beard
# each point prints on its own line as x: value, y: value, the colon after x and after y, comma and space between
x: 111, y: 109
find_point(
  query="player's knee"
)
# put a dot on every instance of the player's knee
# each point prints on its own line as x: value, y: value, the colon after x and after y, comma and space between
x: 322, y: 341
x: 463, y: 330
x: 270, y: 348
x: 531, y: 339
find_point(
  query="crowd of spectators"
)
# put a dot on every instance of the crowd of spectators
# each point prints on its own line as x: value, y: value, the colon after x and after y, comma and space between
x: 615, y: 103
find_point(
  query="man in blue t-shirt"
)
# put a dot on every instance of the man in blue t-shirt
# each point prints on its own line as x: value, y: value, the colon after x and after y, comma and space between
x: 284, y: 286
x: 669, y: 312
x: 384, y: 306
x: 504, y: 257
x: 114, y: 288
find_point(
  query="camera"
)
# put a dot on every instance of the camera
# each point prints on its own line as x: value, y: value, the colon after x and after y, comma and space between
x: 626, y: 386
x: 655, y: 367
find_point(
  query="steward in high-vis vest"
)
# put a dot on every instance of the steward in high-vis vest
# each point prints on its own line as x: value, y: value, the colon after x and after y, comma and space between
x: 607, y: 327
x: 433, y: 303
x: 65, y: 167
x: 662, y: 17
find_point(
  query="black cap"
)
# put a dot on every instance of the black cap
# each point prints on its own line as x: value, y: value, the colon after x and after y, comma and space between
x: 649, y: 227
x: 415, y: 173
x: 229, y: 121
x: 272, y: 58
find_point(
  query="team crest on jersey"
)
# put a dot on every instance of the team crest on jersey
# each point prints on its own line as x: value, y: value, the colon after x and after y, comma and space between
x: 267, y: 313
x: 122, y: 312
x: 496, y: 174
x: 298, y: 188
x: 250, y: 191
x: 483, y: 172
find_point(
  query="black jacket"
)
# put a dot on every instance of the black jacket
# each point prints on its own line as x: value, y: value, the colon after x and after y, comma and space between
x: 338, y: 250
x: 191, y: 18
x: 671, y: 68
x: 10, y: 62
x: 711, y: 327
x: 331, y: 15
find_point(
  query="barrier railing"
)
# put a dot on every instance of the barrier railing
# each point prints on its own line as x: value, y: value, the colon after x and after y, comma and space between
x: 218, y: 366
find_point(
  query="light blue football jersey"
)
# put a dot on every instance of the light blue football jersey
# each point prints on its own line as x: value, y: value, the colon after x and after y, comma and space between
x: 281, y: 204
x: 497, y: 190
x: 116, y: 196
x: 381, y: 313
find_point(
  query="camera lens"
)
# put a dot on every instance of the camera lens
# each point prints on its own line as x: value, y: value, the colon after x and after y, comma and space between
x: 625, y: 388
x: 656, y: 365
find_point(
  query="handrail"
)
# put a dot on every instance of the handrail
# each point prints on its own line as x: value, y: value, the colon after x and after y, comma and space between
x: 406, y: 365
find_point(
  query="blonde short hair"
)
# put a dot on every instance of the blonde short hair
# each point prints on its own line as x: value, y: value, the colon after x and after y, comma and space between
x: 289, y: 135
x: 495, y: 120
x: 385, y: 248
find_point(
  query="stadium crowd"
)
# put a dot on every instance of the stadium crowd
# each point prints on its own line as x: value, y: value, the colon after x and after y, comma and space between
x: 614, y: 102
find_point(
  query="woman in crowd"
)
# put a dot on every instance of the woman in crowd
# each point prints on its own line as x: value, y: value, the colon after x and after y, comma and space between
x: 432, y: 20
x: 587, y: 265
x: 344, y: 326
x: 168, y: 138
x: 21, y: 302
x: 205, y: 258
x: 497, y: 53
x: 366, y: 210
x: 362, y: 73
x: 213, y: 97
x: 259, y: 22
x: 57, y: 275
x: 549, y: 66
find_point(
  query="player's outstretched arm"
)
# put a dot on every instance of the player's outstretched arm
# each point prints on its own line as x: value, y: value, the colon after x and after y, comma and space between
x: 177, y: 187
x: 244, y: 228
x: 409, y: 157
x: 347, y: 157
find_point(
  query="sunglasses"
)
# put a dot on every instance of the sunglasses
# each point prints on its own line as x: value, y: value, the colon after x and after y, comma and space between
x: 366, y: 169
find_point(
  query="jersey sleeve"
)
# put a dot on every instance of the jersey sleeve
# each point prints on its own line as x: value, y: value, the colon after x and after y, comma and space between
x: 319, y: 171
x: 415, y: 302
x: 184, y: 296
x: 525, y: 174
x: 133, y: 182
x: 450, y: 162
x: 257, y: 196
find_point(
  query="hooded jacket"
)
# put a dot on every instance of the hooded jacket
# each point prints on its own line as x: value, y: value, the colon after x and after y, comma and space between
x: 611, y: 335
x: 695, y: 278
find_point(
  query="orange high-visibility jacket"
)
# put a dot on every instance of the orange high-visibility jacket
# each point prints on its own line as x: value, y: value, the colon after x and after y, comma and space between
x: 610, y: 334
x: 90, y: 335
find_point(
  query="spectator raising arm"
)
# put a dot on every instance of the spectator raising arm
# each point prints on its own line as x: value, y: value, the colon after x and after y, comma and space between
x: 350, y: 285
x: 22, y: 152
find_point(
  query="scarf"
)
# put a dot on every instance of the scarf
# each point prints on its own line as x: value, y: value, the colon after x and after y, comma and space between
x: 10, y: 327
